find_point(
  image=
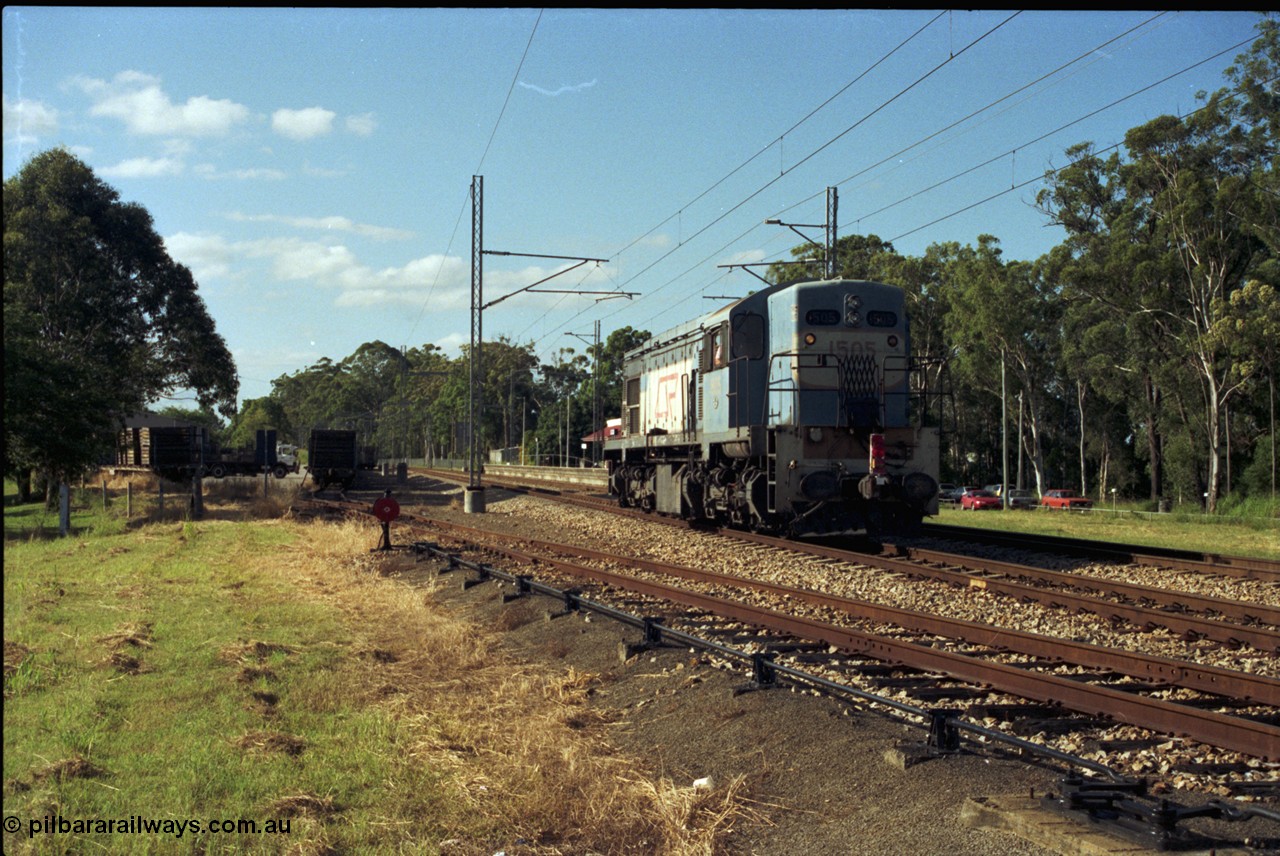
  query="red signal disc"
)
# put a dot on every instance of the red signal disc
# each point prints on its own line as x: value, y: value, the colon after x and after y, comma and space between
x: 386, y: 509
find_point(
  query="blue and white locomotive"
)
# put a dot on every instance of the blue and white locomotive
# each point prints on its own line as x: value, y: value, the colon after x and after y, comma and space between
x: 793, y: 410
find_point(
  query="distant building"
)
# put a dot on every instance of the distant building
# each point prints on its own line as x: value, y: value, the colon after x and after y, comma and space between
x: 612, y: 428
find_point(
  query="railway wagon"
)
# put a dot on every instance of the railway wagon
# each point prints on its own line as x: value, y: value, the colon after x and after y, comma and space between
x: 175, y: 452
x: 333, y: 457
x: 797, y: 409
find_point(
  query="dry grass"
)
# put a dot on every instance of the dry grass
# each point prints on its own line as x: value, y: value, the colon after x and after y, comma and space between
x: 694, y: 817
x: 271, y: 742
x: 303, y: 805
x: 227, y: 499
x: 518, y: 743
x: 130, y: 635
x: 14, y: 655
x: 69, y: 768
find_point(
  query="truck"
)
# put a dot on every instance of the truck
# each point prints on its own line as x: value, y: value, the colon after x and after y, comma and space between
x: 264, y: 457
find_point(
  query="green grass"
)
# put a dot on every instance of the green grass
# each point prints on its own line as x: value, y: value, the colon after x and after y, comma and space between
x: 266, y: 670
x: 1224, y: 534
x: 157, y: 673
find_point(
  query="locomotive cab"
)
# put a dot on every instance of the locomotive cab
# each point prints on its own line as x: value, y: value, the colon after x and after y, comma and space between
x: 840, y: 414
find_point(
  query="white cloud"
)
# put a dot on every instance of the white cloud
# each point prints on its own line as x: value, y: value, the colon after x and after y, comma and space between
x: 361, y: 126
x: 444, y: 281
x: 659, y: 241
x: 302, y: 124
x: 212, y: 173
x: 137, y: 100
x: 26, y: 121
x: 329, y: 224
x: 745, y: 257
x: 554, y: 92
x: 143, y: 168
x: 208, y: 256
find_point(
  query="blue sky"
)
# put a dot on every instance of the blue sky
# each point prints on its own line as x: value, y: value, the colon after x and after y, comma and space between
x: 313, y: 167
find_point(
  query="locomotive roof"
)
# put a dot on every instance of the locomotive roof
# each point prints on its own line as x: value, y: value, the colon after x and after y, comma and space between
x: 710, y: 319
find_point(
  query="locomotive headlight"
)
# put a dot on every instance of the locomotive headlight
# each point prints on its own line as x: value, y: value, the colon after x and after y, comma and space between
x: 852, y: 303
x: 809, y: 339
x: 893, y: 341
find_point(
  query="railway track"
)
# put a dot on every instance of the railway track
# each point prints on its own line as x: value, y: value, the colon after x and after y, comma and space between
x: 1001, y: 670
x: 582, y: 484
x: 1221, y: 620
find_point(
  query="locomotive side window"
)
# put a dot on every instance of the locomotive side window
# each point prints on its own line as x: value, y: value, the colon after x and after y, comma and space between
x: 632, y: 404
x: 715, y: 353
x: 882, y: 319
x: 748, y: 336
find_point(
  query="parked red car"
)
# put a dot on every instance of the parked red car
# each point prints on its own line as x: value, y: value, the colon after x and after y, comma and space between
x: 1066, y: 500
x: 975, y: 500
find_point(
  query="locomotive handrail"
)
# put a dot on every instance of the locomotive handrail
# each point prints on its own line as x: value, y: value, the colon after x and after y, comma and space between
x: 740, y: 376
x: 781, y: 384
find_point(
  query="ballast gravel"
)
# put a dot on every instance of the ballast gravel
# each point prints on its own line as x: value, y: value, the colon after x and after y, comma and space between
x: 694, y: 741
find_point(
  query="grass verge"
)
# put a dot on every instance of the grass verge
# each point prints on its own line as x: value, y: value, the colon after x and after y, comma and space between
x: 266, y: 671
x: 1179, y: 530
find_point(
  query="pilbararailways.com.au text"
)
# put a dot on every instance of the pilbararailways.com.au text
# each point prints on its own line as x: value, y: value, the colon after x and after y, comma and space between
x: 138, y: 825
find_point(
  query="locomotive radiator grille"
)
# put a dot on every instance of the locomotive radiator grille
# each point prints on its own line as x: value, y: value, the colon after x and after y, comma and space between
x: 859, y: 389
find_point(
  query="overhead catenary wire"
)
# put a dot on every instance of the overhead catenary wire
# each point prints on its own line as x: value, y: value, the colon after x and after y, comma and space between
x: 899, y: 94
x: 478, y: 170
x: 1013, y: 187
x: 778, y: 140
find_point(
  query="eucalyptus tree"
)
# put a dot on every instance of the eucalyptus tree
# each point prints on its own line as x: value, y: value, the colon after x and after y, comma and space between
x: 258, y: 414
x: 309, y: 398
x: 612, y: 358
x: 99, y: 320
x: 1186, y: 218
x: 1114, y: 286
x: 857, y: 257
x: 1196, y: 194
x: 1004, y: 323
x: 564, y: 411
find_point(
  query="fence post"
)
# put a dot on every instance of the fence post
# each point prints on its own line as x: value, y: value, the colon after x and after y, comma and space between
x: 104, y: 494
x: 197, y: 498
x: 64, y: 509
x: 162, y: 497
x: 128, y: 500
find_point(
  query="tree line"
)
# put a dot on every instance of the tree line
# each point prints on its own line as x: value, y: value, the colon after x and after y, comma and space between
x: 1140, y: 354
x: 414, y: 402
